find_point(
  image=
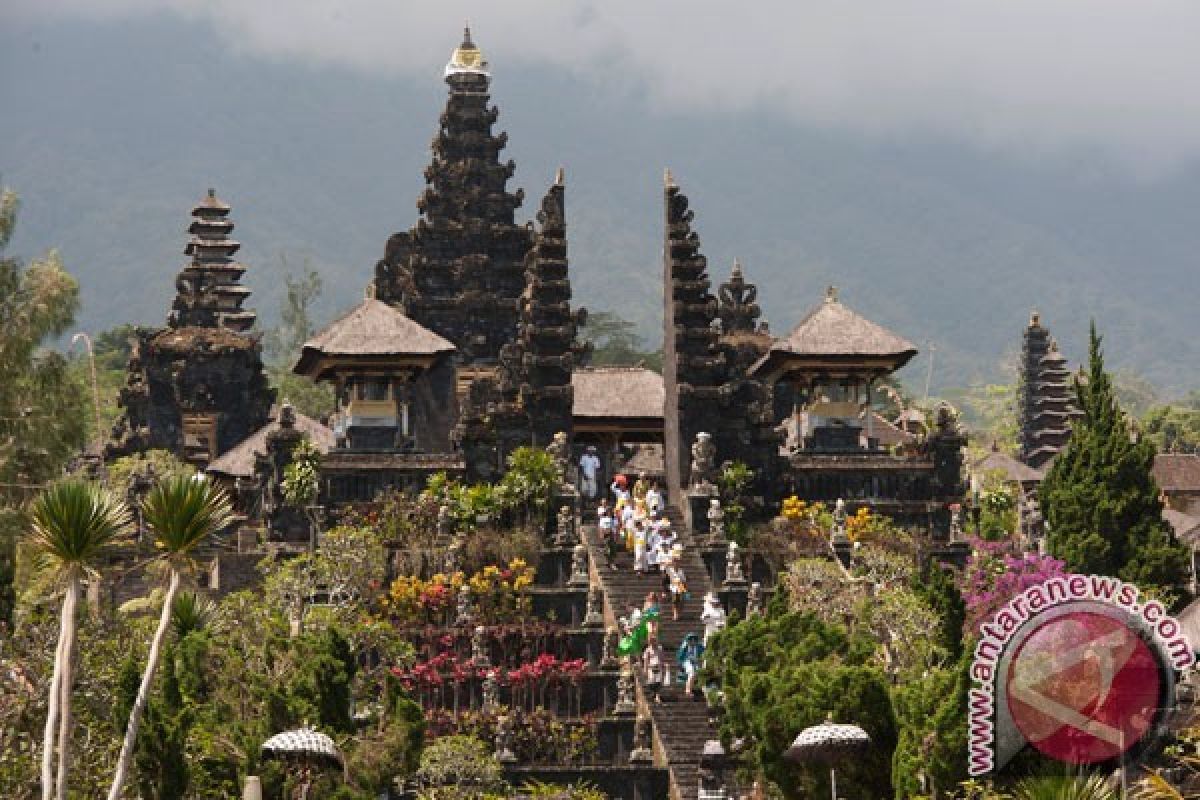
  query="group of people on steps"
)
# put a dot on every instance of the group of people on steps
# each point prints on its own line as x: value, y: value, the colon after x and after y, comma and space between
x: 636, y: 522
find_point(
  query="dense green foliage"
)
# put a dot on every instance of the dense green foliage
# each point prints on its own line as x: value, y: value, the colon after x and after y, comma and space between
x: 1100, y: 499
x: 616, y: 342
x: 787, y: 670
x: 282, y: 344
x: 43, y: 407
x: 1173, y: 429
x: 936, y: 586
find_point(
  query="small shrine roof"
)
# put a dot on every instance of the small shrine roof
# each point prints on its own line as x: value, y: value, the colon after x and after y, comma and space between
x: 618, y: 392
x: 1177, y: 472
x: 372, y: 328
x: 1014, y: 469
x: 238, y: 462
x: 1186, y: 526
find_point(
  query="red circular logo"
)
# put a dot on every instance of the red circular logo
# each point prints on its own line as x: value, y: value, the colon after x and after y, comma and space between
x: 1083, y: 687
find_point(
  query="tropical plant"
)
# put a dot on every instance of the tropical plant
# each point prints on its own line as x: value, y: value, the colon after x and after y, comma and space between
x: 457, y: 767
x: 1065, y: 787
x: 183, y: 513
x: 73, y: 523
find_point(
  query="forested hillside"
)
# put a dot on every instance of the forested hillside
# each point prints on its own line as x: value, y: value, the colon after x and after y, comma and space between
x: 112, y: 131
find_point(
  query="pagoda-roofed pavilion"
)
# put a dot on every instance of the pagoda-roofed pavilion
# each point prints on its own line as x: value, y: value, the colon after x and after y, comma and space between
x: 825, y: 369
x: 371, y: 355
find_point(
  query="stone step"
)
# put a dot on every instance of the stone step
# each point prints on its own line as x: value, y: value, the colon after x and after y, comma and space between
x: 682, y: 725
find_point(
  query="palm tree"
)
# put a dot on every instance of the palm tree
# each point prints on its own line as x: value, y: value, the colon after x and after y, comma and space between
x: 183, y: 511
x: 73, y: 522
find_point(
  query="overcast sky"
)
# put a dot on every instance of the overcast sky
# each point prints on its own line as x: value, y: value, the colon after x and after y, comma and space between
x: 1110, y: 78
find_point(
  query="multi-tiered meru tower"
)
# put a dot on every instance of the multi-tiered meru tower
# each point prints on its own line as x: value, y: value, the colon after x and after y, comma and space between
x: 197, y: 387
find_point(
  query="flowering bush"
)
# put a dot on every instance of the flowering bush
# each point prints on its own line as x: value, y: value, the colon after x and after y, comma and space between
x: 449, y: 680
x: 498, y: 594
x: 996, y: 573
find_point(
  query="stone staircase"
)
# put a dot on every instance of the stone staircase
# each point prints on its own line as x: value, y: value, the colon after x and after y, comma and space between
x: 681, y: 724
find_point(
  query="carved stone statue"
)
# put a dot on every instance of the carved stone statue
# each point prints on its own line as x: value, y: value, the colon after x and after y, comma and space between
x: 579, y: 567
x: 704, y: 461
x: 956, y: 529
x: 564, y: 535
x: 754, y: 599
x: 451, y: 558
x: 445, y: 525
x: 839, y: 534
x: 595, y: 608
x: 736, y: 297
x: 491, y: 690
x: 642, y: 752
x: 504, y: 739
x: 625, y: 707
x: 734, y: 574
x: 716, y: 521
x: 608, y: 649
x: 479, y: 648
x: 463, y: 614
x: 560, y: 450
x: 287, y: 415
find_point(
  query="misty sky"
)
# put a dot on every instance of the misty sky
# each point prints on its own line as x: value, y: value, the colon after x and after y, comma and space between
x: 1113, y: 79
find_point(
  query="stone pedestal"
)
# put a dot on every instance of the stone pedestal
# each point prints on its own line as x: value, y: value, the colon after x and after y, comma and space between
x: 642, y: 752
x: 844, y: 550
x: 698, y: 498
x: 564, y: 495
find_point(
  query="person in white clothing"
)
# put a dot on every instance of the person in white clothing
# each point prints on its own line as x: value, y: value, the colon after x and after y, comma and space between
x: 712, y: 617
x: 654, y: 499
x: 589, y: 470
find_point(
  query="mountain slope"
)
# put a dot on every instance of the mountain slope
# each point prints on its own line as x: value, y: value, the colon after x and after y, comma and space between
x: 113, y: 131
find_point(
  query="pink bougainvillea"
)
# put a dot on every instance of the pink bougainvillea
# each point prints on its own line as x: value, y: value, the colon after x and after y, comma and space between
x: 996, y: 573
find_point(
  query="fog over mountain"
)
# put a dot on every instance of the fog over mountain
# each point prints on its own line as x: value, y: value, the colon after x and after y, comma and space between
x: 943, y: 214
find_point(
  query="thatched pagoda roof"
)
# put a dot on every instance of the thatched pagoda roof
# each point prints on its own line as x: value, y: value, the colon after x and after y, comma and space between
x: 1014, y: 470
x: 831, y: 333
x: 372, y: 330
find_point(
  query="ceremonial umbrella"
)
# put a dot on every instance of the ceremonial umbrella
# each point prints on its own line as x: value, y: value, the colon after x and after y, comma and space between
x: 303, y: 744
x: 828, y: 743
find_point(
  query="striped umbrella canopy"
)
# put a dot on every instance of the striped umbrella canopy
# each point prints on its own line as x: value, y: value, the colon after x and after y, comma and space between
x: 303, y: 744
x: 828, y: 742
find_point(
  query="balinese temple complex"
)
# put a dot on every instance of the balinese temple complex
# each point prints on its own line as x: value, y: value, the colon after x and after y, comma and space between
x: 467, y: 346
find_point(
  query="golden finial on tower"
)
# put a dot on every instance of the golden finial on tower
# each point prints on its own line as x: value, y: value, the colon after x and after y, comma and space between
x: 668, y: 178
x: 831, y: 294
x: 467, y: 57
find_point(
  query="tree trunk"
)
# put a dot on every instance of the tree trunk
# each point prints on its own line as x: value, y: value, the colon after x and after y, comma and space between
x: 65, y: 685
x: 143, y: 695
x: 52, y: 706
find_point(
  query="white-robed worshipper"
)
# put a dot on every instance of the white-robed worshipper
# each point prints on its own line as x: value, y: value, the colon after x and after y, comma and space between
x: 589, y: 471
x: 653, y: 548
x: 712, y: 617
x: 654, y: 499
